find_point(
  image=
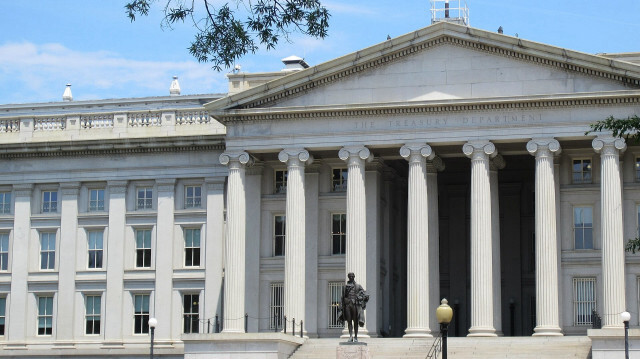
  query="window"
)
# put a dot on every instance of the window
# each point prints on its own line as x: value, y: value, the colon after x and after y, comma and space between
x: 637, y: 169
x: 584, y: 300
x: 143, y: 248
x: 5, y: 202
x: 638, y: 227
x: 191, y: 247
x: 49, y: 201
x: 47, y: 250
x: 141, y: 313
x: 192, y: 197
x: 144, y: 198
x: 339, y: 179
x: 92, y: 314
x: 281, y: 181
x: 3, y: 314
x: 276, y: 307
x: 96, y: 200
x: 338, y: 233
x: 96, y: 247
x: 45, y: 315
x: 4, y: 251
x: 335, y: 294
x: 582, y: 171
x: 583, y: 227
x: 191, y: 305
x: 279, y: 226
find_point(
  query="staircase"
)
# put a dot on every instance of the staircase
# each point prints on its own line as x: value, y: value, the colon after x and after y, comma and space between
x: 459, y: 348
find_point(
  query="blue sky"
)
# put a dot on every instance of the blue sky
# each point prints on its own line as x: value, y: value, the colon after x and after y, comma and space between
x: 92, y: 45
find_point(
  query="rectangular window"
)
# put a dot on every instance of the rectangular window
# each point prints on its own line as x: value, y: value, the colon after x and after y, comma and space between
x: 279, y: 227
x: 92, y: 314
x: 335, y: 294
x: 3, y: 314
x: 45, y: 315
x: 339, y: 179
x: 47, y: 250
x: 191, y: 305
x: 141, y: 313
x: 582, y: 171
x: 338, y: 233
x: 192, y: 197
x: 96, y: 200
x: 637, y: 169
x: 96, y: 249
x: 143, y: 248
x: 191, y: 247
x: 281, y: 181
x: 4, y: 251
x: 144, y: 198
x: 638, y: 222
x: 584, y: 300
x: 49, y: 201
x: 276, y: 306
x: 583, y: 227
x: 5, y: 202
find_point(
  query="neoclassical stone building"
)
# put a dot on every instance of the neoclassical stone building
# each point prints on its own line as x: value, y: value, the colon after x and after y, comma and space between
x: 449, y: 162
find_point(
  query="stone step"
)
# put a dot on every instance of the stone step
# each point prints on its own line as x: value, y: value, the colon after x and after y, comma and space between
x: 459, y: 348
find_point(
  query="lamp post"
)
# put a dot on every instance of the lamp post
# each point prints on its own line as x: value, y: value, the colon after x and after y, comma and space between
x: 625, y: 316
x: 152, y: 325
x: 444, y: 314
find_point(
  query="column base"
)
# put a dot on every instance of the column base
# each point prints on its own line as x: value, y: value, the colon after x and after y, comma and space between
x: 550, y: 331
x: 482, y: 332
x: 417, y: 333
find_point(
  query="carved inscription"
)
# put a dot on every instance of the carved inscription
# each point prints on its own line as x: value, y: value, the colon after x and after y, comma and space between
x: 449, y: 121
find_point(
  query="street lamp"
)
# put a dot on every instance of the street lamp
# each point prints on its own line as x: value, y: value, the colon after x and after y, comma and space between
x: 444, y: 313
x: 152, y: 324
x: 625, y: 316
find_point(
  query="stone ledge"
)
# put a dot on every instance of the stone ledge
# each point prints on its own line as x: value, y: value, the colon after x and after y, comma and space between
x: 240, y: 345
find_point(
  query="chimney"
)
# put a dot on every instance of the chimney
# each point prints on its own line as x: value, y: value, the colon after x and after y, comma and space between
x: 174, y: 89
x: 294, y: 63
x: 446, y: 9
x: 67, y: 96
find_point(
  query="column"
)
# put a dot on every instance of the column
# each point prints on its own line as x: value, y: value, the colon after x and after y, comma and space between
x: 67, y: 264
x: 355, y: 257
x: 164, y: 257
x: 481, y: 239
x: 213, y: 244
x: 433, y: 167
x: 547, y: 300
x: 295, y: 234
x: 17, y: 311
x: 613, y: 302
x: 497, y: 163
x: 234, y: 279
x: 253, y: 234
x: 115, y: 264
x: 417, y: 240
x: 311, y: 261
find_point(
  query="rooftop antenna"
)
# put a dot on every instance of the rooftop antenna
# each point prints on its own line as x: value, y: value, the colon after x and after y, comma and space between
x: 455, y: 11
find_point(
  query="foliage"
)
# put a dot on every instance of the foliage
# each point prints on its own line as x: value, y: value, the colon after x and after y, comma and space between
x: 633, y: 245
x: 222, y: 37
x: 627, y: 128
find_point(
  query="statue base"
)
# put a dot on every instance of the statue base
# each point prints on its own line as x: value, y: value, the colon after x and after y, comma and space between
x: 352, y: 350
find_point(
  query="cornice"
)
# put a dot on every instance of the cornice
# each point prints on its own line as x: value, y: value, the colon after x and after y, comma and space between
x: 599, y: 99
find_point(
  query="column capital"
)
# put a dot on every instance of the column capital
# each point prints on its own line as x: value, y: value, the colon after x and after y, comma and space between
x: 544, y: 147
x: 360, y: 152
x: 477, y: 149
x: 70, y: 188
x: 497, y: 163
x: 237, y: 158
x: 166, y: 184
x: 413, y: 152
x: 608, y: 145
x: 23, y: 189
x: 215, y: 183
x: 117, y: 186
x: 294, y: 155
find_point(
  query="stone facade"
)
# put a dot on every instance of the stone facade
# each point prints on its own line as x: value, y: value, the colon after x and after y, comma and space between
x: 450, y: 162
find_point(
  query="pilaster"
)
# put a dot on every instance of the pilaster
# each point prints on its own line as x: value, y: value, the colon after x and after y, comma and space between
x: 295, y: 233
x: 609, y: 149
x: 214, y: 239
x: 547, y: 300
x: 481, y: 238
x: 164, y: 256
x: 234, y: 281
x: 67, y: 264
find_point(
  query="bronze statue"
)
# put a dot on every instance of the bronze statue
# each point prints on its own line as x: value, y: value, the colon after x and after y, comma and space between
x: 354, y: 301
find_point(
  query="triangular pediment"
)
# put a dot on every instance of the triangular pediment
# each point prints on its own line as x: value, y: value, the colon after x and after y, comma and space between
x: 440, y: 62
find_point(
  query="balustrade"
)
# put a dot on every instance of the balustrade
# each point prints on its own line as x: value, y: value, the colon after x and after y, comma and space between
x: 144, y: 119
x: 96, y: 121
x: 9, y: 126
x: 192, y: 118
x: 50, y: 124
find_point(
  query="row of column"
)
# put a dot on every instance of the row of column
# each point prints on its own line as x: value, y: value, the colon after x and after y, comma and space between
x: 422, y: 233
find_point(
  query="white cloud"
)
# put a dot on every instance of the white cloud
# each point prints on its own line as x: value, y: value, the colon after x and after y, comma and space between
x: 37, y: 73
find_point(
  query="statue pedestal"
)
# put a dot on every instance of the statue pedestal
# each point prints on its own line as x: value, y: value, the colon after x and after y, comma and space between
x: 348, y: 350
